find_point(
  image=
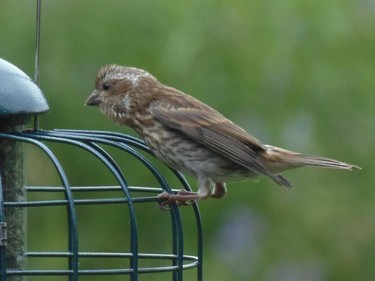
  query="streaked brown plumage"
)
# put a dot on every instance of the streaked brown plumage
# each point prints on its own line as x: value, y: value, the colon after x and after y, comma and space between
x: 190, y: 136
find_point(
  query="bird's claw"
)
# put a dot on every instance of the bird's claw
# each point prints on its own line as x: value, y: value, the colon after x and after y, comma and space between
x: 181, y: 198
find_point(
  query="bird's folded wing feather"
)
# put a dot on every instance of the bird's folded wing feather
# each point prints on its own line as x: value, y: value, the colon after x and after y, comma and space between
x: 217, y: 133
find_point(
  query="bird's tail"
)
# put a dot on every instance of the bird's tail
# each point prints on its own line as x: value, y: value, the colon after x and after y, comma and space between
x: 277, y: 160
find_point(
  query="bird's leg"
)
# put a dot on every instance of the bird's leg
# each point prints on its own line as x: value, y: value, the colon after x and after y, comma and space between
x: 220, y: 190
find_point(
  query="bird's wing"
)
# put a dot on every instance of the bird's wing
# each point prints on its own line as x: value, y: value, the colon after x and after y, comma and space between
x: 210, y: 128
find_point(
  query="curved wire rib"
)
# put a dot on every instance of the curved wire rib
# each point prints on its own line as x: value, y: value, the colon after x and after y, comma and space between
x: 129, y: 140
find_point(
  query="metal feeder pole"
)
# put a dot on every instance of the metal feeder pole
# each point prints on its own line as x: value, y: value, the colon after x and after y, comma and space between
x: 20, y: 98
x: 13, y: 182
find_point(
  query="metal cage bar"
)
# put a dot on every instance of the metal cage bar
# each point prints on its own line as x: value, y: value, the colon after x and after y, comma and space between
x: 2, y: 248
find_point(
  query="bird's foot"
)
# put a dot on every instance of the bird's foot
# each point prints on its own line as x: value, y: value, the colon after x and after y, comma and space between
x: 181, y: 198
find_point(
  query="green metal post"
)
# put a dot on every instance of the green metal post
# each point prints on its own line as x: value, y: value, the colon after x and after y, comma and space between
x: 13, y: 183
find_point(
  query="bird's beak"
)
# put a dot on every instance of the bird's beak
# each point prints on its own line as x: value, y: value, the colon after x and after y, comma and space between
x: 94, y: 99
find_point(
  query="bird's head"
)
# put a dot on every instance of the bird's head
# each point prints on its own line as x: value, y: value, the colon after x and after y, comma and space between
x: 120, y: 90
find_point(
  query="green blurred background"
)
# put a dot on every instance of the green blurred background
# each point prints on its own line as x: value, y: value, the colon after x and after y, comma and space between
x: 296, y: 74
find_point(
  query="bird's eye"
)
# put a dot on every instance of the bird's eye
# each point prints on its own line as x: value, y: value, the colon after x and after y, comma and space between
x: 106, y: 86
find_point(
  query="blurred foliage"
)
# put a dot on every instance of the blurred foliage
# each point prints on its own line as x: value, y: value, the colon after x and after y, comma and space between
x: 297, y: 74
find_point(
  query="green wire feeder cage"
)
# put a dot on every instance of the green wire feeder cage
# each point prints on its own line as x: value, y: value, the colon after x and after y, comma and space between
x: 20, y: 99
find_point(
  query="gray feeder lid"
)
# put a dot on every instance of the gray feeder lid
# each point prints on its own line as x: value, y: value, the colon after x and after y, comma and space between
x: 19, y: 95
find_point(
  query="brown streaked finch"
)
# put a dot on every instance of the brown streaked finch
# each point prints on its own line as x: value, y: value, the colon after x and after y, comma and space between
x: 189, y: 136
